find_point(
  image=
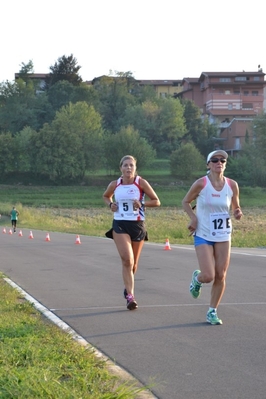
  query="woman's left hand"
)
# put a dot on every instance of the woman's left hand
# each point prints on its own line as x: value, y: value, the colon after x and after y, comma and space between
x: 136, y: 205
x: 238, y: 213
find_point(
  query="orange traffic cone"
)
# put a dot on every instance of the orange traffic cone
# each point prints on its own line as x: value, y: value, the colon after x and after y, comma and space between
x: 4, y: 230
x: 10, y: 232
x: 47, y: 237
x: 20, y: 233
x: 31, y: 235
x: 78, y: 240
x: 167, y: 245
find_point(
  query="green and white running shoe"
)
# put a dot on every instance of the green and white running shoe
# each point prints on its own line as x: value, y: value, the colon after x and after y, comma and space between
x: 212, y: 318
x: 195, y: 286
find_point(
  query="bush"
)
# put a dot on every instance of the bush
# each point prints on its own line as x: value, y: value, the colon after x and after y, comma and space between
x: 185, y: 161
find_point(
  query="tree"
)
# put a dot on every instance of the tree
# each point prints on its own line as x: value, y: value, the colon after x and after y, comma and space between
x: 145, y: 93
x: 21, y: 151
x: 7, y: 159
x: 127, y: 141
x: 185, y: 161
x: 259, y: 129
x: 21, y: 107
x: 63, y: 92
x: 65, y: 68
x: 199, y: 131
x: 240, y: 169
x: 160, y: 122
x: 207, y: 137
x: 26, y: 70
x: 255, y: 153
x: 86, y: 93
x: 144, y: 118
x: 115, y: 97
x: 193, y: 120
x: 16, y: 109
x: 71, y: 144
x: 26, y: 73
x: 59, y: 94
x: 172, y: 124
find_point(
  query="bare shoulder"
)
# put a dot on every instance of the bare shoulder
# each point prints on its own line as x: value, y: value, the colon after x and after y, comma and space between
x: 195, y: 189
x: 149, y: 191
x: 113, y: 183
x: 143, y: 182
x: 199, y: 184
x: 233, y: 184
x: 110, y: 188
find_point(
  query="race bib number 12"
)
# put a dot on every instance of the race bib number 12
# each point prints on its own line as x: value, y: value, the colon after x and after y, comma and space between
x: 220, y: 224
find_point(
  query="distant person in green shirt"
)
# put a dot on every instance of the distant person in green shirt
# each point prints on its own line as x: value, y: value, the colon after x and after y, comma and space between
x: 14, y: 217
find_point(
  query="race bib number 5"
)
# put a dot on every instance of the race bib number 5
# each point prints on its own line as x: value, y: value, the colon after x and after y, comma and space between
x: 220, y: 224
x: 125, y: 208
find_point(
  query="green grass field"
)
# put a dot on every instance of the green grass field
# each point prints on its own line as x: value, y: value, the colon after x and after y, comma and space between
x: 81, y: 210
x: 77, y: 197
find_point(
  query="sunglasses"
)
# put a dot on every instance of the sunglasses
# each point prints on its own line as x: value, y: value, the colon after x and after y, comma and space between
x: 216, y: 160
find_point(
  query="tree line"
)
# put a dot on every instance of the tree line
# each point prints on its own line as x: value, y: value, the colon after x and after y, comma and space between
x: 67, y: 128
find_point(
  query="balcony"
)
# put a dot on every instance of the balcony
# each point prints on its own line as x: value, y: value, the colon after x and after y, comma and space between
x: 224, y: 125
x: 234, y: 97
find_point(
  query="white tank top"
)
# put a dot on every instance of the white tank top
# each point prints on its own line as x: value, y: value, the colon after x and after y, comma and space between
x: 212, y: 210
x: 125, y: 194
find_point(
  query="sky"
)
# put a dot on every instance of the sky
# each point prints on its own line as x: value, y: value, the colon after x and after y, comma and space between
x: 167, y: 39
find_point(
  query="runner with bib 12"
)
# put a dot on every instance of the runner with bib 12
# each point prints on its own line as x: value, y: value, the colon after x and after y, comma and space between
x: 216, y: 196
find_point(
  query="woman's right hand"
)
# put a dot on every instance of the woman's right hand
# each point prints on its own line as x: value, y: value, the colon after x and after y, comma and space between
x: 113, y: 206
x: 192, y: 226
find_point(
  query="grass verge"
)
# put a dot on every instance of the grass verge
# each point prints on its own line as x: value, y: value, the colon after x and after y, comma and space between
x: 38, y: 360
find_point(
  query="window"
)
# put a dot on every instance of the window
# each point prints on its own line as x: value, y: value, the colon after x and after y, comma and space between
x: 225, y: 80
x: 241, y: 78
x: 247, y: 106
x: 237, y: 143
x: 246, y: 93
x: 255, y: 93
x: 227, y: 92
x: 230, y: 106
x: 256, y: 78
x: 236, y: 91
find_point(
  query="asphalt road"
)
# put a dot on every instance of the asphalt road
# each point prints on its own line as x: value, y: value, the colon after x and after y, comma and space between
x: 166, y: 342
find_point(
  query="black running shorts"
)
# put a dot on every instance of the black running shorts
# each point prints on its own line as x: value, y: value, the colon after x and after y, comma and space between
x: 135, y: 229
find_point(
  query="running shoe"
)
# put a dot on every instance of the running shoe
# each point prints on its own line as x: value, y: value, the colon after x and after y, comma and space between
x: 195, y: 286
x: 131, y: 302
x: 212, y: 317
